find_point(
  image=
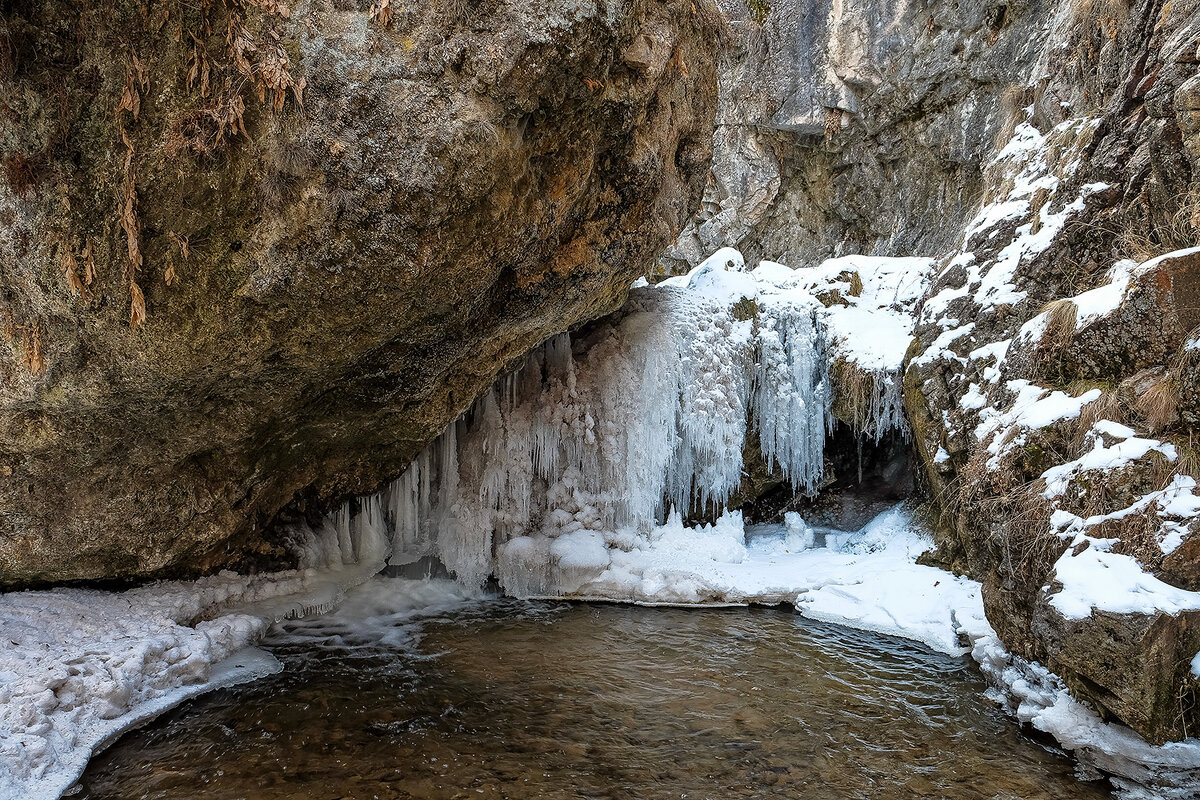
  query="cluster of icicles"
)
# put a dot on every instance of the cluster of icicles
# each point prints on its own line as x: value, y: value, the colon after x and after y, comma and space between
x: 596, y: 444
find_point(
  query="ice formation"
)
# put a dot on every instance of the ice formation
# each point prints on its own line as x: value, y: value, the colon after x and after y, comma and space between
x: 599, y: 446
x: 560, y: 463
x: 80, y: 666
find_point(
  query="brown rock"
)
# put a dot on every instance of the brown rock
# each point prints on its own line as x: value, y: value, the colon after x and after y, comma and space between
x: 326, y: 291
x: 1128, y: 665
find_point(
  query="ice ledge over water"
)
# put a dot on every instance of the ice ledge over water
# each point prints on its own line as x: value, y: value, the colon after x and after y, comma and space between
x: 78, y: 667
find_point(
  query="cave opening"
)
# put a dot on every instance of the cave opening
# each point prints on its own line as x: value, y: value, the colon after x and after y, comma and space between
x: 863, y: 478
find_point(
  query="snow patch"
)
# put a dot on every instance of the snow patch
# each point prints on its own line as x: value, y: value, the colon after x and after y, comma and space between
x: 1094, y: 578
x: 1129, y: 449
x: 81, y: 666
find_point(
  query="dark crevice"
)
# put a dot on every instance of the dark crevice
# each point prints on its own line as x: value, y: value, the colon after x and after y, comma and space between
x: 863, y: 479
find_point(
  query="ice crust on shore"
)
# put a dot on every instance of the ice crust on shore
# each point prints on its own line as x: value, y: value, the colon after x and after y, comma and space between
x: 80, y: 666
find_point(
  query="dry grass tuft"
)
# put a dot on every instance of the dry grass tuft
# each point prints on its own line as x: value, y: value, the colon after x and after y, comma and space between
x: 1188, y: 462
x: 1060, y: 329
x: 34, y: 360
x: 1108, y: 406
x: 21, y: 172
x: 1159, y: 405
x: 1105, y: 14
x: 381, y: 13
x: 1028, y: 545
x: 1061, y: 316
x: 1178, y: 232
x: 854, y: 388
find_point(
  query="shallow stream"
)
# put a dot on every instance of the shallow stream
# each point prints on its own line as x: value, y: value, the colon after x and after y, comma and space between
x: 412, y: 691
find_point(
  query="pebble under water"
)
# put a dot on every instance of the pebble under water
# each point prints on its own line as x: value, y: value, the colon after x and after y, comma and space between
x: 412, y: 691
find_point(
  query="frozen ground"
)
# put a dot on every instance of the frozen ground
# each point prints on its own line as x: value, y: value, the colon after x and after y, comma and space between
x: 78, y: 666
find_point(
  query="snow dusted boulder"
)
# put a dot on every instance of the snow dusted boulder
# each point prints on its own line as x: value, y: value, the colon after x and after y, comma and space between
x: 1136, y: 320
x: 254, y: 253
x: 1130, y: 666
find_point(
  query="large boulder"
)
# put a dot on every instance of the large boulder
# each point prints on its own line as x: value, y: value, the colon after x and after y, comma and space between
x: 252, y: 253
x: 1133, y: 667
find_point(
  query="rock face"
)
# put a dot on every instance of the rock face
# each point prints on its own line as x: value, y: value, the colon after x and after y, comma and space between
x: 252, y: 253
x: 1045, y: 154
x: 1060, y: 300
x: 853, y: 126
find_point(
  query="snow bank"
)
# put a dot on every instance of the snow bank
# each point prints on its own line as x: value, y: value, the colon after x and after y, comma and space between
x: 1097, y: 579
x: 78, y: 667
x: 1128, y: 449
x: 867, y: 579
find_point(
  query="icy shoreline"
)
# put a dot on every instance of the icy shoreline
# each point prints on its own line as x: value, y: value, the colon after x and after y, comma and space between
x: 80, y: 667
x: 868, y: 579
x: 246, y: 665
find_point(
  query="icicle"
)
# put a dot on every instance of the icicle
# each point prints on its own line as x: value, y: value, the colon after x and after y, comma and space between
x: 369, y: 532
x: 791, y: 394
x: 581, y: 452
x: 341, y: 524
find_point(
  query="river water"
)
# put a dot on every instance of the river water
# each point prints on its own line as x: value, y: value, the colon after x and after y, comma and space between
x: 411, y: 690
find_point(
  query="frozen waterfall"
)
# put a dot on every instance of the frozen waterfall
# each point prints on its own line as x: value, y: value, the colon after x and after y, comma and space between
x: 602, y: 445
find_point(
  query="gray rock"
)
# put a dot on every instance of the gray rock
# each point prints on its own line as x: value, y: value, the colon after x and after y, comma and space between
x: 859, y: 127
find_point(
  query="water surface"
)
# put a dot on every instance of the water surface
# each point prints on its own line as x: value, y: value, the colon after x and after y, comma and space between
x: 503, y: 699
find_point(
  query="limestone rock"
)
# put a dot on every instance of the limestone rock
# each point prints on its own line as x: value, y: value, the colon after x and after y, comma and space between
x: 1130, y: 665
x: 1095, y: 183
x: 325, y: 285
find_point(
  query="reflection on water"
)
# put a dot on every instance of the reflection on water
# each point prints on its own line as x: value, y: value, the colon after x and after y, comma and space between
x: 502, y: 699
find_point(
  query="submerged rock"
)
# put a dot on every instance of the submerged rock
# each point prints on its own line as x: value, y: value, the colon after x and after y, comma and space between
x: 252, y: 253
